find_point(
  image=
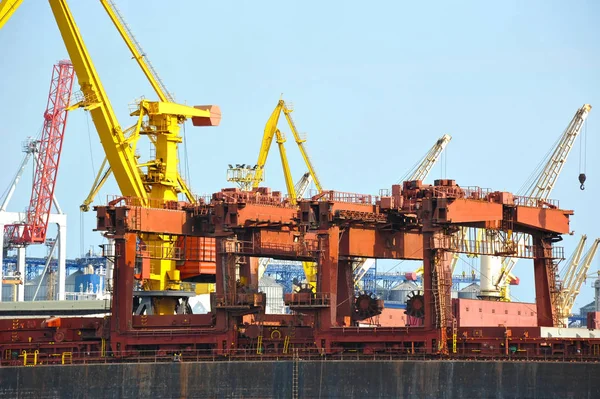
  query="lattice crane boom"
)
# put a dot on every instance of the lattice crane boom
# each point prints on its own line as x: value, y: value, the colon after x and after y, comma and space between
x: 574, y: 276
x: 424, y: 167
x: 575, y: 285
x: 33, y: 229
x: 302, y: 185
x: 547, y: 177
x: 572, y: 267
x: 136, y: 50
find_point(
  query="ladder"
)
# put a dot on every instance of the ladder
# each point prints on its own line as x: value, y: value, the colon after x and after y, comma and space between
x: 67, y: 358
x: 295, y: 375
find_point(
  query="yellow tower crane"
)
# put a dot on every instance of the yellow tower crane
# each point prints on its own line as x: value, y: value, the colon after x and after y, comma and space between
x: 159, y: 120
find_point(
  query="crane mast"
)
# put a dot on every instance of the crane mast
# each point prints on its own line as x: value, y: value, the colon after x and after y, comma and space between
x: 33, y: 229
x: 157, y: 84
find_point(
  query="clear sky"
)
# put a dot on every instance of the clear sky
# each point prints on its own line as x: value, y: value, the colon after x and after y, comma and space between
x: 374, y: 84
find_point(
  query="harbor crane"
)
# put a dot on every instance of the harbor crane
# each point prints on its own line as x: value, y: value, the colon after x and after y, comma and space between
x: 155, y: 183
x: 32, y: 227
x: 249, y: 177
x: 573, y: 277
x: 496, y: 271
x: 157, y: 84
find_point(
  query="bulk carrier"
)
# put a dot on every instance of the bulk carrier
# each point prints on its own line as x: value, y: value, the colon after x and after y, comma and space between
x: 163, y: 251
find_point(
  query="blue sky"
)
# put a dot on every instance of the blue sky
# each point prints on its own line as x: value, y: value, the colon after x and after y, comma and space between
x: 373, y: 85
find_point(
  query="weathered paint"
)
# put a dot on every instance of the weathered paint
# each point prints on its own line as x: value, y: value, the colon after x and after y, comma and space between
x: 316, y: 379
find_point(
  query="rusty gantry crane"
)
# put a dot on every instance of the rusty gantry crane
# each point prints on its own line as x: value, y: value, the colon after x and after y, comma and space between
x: 416, y: 222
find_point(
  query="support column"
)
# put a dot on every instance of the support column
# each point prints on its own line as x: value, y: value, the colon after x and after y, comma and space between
x: 428, y: 265
x: 21, y: 269
x: 545, y: 282
x: 437, y: 286
x: 62, y: 256
x: 122, y: 300
x: 345, y: 293
x: 110, y: 267
x: 328, y: 276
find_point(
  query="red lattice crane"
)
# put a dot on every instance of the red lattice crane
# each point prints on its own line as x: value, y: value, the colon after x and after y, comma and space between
x: 33, y: 229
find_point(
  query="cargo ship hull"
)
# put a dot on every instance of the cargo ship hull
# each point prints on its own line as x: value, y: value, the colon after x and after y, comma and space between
x: 306, y: 379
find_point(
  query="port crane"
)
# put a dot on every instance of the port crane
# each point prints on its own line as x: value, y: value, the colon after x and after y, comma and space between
x: 249, y: 177
x: 157, y: 84
x: 46, y: 151
x: 33, y: 229
x: 496, y: 271
x: 573, y: 277
x: 159, y: 184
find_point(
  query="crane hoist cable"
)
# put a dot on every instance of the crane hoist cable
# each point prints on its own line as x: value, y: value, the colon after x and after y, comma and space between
x: 583, y: 157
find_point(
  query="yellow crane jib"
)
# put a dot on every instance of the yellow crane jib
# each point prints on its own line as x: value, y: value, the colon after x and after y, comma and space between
x: 7, y: 8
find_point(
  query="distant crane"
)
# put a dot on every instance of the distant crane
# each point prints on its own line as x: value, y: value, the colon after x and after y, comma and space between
x: 496, y: 271
x: 33, y: 229
x: 573, y: 277
x: 421, y: 170
x: 249, y: 177
x: 46, y: 151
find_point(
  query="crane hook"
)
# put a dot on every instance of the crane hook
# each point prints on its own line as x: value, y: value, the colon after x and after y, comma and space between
x: 582, y: 180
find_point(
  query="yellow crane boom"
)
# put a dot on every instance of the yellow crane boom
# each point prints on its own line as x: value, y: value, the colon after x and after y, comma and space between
x: 251, y: 177
x: 157, y: 84
x: 136, y: 50
x: 287, y: 111
x: 7, y: 8
x: 120, y: 155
